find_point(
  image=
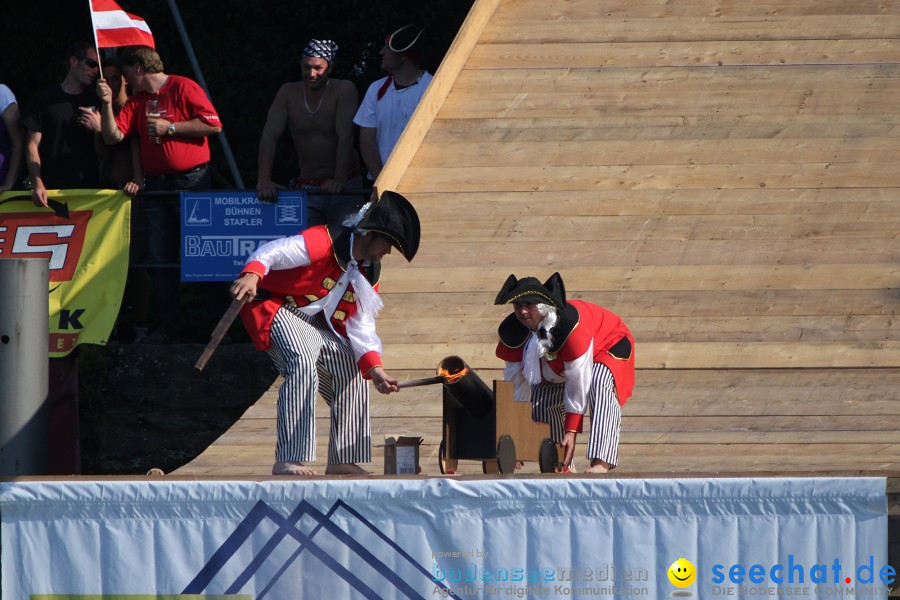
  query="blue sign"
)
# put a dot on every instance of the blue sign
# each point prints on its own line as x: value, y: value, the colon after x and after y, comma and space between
x: 220, y: 230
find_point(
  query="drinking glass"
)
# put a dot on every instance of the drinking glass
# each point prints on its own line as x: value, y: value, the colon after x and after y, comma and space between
x: 153, y: 113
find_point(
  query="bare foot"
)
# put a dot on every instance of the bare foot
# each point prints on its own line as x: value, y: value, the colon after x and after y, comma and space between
x: 519, y: 465
x: 598, y: 466
x: 345, y: 469
x: 292, y: 468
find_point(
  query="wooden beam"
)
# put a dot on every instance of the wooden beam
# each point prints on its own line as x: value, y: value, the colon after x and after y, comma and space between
x: 449, y: 204
x: 561, y: 153
x: 630, y: 177
x: 647, y: 303
x: 683, y: 355
x: 630, y: 230
x: 730, y: 327
x: 670, y: 79
x: 656, y: 278
x: 581, y: 253
x: 574, y: 10
x: 678, y: 104
x: 625, y: 125
x: 635, y: 28
x: 713, y: 54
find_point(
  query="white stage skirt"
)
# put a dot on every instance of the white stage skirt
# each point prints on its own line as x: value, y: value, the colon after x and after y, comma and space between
x: 431, y: 538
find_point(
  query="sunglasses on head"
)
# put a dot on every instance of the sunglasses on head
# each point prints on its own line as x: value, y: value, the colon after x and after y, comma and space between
x: 91, y: 63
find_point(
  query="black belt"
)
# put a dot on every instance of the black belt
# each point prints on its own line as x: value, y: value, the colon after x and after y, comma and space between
x: 196, y: 169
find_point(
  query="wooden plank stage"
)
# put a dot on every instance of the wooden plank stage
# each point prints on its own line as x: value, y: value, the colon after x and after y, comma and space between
x: 723, y: 174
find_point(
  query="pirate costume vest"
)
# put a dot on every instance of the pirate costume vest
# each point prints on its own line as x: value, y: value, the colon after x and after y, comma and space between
x: 329, y: 253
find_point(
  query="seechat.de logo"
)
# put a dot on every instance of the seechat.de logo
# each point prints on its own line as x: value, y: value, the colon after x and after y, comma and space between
x: 793, y: 572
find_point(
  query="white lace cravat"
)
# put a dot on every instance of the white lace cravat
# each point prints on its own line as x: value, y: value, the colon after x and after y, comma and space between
x: 367, y: 299
x: 531, y: 360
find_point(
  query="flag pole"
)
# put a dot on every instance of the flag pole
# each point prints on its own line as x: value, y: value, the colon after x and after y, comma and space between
x: 199, y: 74
x: 96, y: 43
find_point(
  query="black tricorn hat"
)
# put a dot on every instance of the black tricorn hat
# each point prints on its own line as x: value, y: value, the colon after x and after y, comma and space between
x: 530, y: 289
x: 394, y: 217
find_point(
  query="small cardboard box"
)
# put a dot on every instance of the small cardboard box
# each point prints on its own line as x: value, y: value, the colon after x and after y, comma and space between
x: 401, y: 455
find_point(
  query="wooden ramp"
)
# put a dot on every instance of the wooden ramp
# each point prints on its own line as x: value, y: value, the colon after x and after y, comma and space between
x: 723, y: 174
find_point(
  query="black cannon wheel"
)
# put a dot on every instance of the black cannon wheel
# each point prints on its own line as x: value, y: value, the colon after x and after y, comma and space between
x: 548, y: 456
x: 442, y: 456
x: 506, y: 455
x: 446, y: 465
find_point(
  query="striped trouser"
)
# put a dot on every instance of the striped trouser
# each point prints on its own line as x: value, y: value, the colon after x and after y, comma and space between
x: 606, y: 414
x: 313, y: 358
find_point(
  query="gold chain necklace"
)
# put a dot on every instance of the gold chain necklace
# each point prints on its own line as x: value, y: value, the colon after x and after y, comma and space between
x: 319, y: 105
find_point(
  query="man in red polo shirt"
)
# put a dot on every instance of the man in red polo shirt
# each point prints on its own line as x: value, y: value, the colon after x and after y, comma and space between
x: 172, y: 117
x: 564, y: 356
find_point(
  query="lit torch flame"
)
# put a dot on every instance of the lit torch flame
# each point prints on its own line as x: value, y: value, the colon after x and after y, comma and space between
x: 454, y: 376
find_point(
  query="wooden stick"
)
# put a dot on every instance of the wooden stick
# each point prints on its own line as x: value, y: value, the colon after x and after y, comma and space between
x: 219, y: 332
x: 420, y: 382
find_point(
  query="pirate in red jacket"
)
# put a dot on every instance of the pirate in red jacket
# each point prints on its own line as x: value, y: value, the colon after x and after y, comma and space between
x: 563, y: 356
x: 311, y: 302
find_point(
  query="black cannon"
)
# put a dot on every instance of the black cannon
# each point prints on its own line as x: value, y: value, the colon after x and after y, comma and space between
x: 485, y: 424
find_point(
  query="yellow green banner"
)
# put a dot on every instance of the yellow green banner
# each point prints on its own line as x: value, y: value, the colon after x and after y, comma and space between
x: 85, y: 235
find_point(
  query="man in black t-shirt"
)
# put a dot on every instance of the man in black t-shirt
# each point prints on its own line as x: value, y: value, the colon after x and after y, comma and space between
x: 60, y: 123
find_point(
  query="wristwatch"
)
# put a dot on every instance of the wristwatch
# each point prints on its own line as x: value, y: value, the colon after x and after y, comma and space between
x: 171, y: 129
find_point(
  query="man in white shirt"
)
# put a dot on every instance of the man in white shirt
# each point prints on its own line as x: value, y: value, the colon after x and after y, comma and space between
x: 390, y: 102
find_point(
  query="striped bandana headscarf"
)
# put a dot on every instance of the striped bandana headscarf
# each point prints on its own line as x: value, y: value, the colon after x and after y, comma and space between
x: 324, y: 49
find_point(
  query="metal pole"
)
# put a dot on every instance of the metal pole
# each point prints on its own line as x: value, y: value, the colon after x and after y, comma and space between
x: 24, y: 327
x: 199, y: 74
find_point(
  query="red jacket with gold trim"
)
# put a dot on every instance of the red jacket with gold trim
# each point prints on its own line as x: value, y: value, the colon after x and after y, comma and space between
x: 579, y: 324
x: 329, y: 252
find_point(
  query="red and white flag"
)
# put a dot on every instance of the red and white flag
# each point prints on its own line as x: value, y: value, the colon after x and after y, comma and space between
x: 114, y: 27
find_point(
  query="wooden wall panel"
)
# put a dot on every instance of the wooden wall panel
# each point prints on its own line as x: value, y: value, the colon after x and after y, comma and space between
x: 631, y: 28
x: 723, y: 174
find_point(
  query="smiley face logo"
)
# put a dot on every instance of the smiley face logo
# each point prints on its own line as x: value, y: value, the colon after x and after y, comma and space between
x: 682, y: 573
